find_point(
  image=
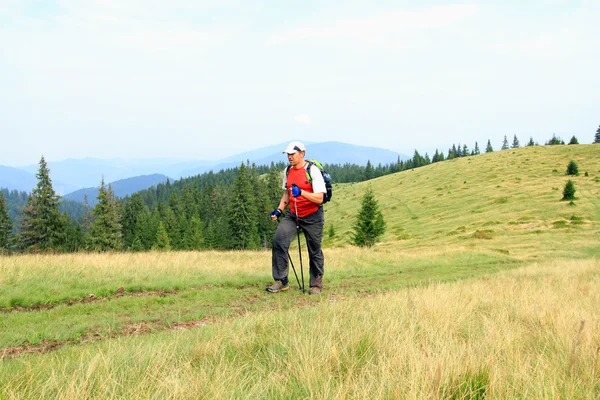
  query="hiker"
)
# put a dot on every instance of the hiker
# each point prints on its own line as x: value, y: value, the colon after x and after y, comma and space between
x: 305, y: 212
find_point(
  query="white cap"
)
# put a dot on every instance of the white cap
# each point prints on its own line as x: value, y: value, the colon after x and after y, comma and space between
x: 294, y: 147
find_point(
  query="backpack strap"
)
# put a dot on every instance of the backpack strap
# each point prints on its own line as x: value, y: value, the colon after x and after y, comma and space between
x: 308, y: 174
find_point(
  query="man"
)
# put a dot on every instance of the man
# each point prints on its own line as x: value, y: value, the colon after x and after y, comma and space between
x: 305, y: 199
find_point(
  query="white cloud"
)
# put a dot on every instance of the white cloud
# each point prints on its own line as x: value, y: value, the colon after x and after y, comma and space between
x: 303, y: 119
x: 378, y: 29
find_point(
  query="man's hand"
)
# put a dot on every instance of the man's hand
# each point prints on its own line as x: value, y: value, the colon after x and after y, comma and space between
x: 275, y: 214
x: 296, y: 191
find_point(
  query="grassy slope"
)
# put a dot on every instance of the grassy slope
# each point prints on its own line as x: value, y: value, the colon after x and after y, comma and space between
x: 514, y: 193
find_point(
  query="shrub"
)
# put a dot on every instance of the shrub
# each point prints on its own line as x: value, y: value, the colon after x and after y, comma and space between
x: 569, y: 191
x: 572, y: 168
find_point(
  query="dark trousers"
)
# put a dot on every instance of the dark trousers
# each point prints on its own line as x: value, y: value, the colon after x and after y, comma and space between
x: 312, y: 226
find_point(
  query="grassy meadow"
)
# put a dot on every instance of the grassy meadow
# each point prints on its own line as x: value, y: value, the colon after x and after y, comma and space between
x: 485, y: 284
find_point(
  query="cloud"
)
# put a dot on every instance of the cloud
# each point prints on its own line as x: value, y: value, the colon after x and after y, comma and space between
x: 377, y: 29
x: 304, y: 119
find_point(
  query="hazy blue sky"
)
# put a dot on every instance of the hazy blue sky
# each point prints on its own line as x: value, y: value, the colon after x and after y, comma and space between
x: 208, y: 79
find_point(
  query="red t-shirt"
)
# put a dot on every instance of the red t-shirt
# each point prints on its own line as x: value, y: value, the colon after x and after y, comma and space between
x: 305, y: 206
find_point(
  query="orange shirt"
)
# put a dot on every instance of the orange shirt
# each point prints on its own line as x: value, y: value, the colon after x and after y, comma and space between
x: 305, y: 206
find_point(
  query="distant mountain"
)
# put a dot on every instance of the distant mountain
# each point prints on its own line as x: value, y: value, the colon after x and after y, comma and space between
x: 88, y: 172
x: 73, y: 174
x: 326, y: 152
x: 18, y: 179
x: 121, y: 188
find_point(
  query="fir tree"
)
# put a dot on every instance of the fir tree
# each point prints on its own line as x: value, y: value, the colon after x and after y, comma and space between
x: 134, y: 223
x: 488, y: 148
x: 194, y: 235
x: 369, y: 225
x: 573, y: 140
x: 597, y: 137
x: 515, y: 143
x: 242, y: 213
x: 531, y: 142
x: 465, y: 151
x: 106, y: 231
x: 554, y: 141
x: 476, y: 149
x: 572, y: 168
x: 569, y: 191
x: 505, y: 143
x: 42, y: 225
x: 5, y: 226
x: 369, y: 173
x: 162, y: 241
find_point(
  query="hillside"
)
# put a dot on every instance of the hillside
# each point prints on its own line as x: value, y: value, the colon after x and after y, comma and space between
x: 513, y: 194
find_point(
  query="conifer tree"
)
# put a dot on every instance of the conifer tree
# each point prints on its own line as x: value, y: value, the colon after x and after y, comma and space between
x: 369, y: 173
x: 569, y: 191
x: 242, y: 213
x: 106, y: 231
x: 531, y: 142
x: 515, y: 143
x: 554, y: 141
x: 597, y: 137
x: 217, y: 228
x: 194, y: 235
x: 273, y: 192
x: 5, y: 226
x: 476, y: 149
x: 572, y: 168
x: 489, y: 148
x: 465, y: 151
x: 369, y: 225
x: 505, y: 143
x: 42, y: 224
x: 573, y: 140
x: 134, y: 223
x: 162, y: 241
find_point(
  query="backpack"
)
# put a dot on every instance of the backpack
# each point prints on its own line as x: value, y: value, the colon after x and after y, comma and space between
x: 326, y: 178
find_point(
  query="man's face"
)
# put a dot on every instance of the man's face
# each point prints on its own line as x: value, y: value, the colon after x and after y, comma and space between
x: 295, y: 158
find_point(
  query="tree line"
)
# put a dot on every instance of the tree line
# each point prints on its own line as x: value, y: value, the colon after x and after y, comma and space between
x: 225, y: 210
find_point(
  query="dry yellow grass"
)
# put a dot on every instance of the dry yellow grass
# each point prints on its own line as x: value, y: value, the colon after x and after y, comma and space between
x: 516, y: 334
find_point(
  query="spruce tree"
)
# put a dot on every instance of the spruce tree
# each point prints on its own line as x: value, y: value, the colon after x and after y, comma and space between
x: 554, y: 141
x: 42, y: 224
x: 569, y: 191
x: 597, y: 137
x: 134, y: 221
x: 369, y: 173
x: 489, y: 148
x: 106, y: 231
x: 465, y: 151
x: 369, y: 225
x: 5, y: 226
x: 573, y: 140
x: 194, y: 235
x: 476, y: 149
x: 572, y: 168
x: 162, y: 241
x: 531, y: 142
x: 505, y: 143
x: 242, y: 213
x: 515, y: 143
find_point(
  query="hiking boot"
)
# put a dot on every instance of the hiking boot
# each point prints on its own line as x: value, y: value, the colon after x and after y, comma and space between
x: 277, y: 286
x: 314, y: 290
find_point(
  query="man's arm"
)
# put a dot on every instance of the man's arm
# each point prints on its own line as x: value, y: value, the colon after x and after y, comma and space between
x: 316, y: 198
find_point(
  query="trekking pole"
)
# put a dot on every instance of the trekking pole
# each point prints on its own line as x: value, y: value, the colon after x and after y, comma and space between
x: 292, y: 264
x: 299, y: 249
